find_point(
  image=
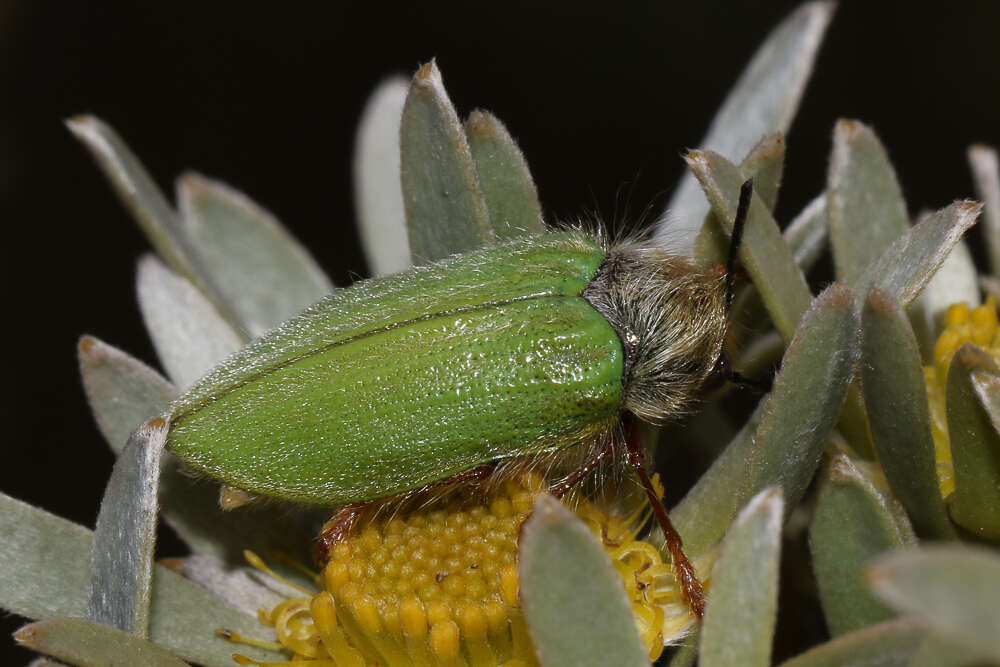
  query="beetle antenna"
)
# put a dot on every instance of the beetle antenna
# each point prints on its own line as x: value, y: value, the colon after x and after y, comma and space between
x: 742, y: 209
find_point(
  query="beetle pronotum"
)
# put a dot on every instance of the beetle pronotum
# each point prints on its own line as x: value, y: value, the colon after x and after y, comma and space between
x: 515, y: 351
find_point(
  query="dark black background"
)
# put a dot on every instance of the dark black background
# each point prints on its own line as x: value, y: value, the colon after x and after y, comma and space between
x: 603, y: 101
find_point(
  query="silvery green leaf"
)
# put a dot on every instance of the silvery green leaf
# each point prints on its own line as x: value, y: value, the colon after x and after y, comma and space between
x: 895, y: 397
x: 951, y: 590
x: 508, y: 189
x: 743, y: 601
x: 807, y: 233
x: 983, y: 160
x: 122, y: 561
x: 955, y: 280
x: 445, y: 211
x: 189, y: 335
x: 764, y: 163
x: 987, y: 388
x: 244, y: 587
x: 44, y: 662
x: 853, y: 522
x: 191, y: 508
x: 795, y: 423
x: 935, y: 651
x: 122, y: 391
x: 704, y: 515
x: 975, y: 443
x: 764, y: 253
x: 580, y: 620
x: 889, y: 644
x: 143, y: 199
x: 89, y: 644
x: 760, y: 354
x: 763, y: 100
x: 990, y: 285
x: 378, y: 195
x: 262, y: 273
x: 687, y: 653
x: 908, y: 264
x: 47, y: 574
x: 864, y: 204
x: 137, y: 191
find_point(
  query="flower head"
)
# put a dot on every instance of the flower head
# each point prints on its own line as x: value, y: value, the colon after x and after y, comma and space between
x: 437, y: 582
x: 962, y: 325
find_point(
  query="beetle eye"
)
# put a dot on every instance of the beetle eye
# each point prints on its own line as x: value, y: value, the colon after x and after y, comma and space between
x: 719, y: 374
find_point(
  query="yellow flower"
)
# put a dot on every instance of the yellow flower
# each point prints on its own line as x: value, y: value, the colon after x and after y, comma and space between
x: 438, y: 584
x: 962, y: 325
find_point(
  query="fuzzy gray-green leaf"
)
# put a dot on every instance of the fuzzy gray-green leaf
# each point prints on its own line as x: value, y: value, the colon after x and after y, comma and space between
x: 807, y: 233
x: 951, y: 590
x: 764, y: 253
x: 986, y: 174
x: 896, y: 400
x: 47, y: 574
x: 508, y: 189
x: 122, y: 391
x: 853, y: 522
x: 445, y: 210
x: 906, y: 266
x: 889, y: 644
x: 975, y: 445
x: 144, y: 200
x: 378, y: 194
x: 764, y: 163
x: 192, y: 509
x: 122, y: 561
x: 138, y: 192
x: 743, y: 602
x: 763, y: 100
x: 88, y: 644
x: 259, y: 269
x: 865, y: 207
x: 580, y: 620
x: 794, y: 424
x: 189, y: 335
x: 936, y: 651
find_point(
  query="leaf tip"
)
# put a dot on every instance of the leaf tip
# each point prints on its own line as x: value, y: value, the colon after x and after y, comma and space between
x: 480, y: 124
x: 837, y: 296
x: 428, y: 76
x: 881, y: 301
x: 90, y: 351
x: 82, y: 125
x: 30, y: 635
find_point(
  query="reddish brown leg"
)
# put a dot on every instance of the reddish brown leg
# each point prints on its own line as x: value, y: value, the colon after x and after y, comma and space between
x: 343, y: 522
x: 691, y: 586
x: 336, y: 529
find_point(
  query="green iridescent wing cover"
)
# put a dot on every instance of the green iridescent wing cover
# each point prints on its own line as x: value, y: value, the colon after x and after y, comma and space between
x: 397, y: 382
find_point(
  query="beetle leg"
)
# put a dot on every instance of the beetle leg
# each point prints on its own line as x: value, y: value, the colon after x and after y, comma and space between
x: 690, y: 585
x: 336, y: 529
x: 343, y: 522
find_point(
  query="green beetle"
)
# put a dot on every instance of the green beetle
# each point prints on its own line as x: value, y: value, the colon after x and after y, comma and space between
x: 397, y: 382
x: 515, y: 351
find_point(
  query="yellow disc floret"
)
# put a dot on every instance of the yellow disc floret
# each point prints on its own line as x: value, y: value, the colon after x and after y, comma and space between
x: 438, y: 585
x: 962, y: 325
